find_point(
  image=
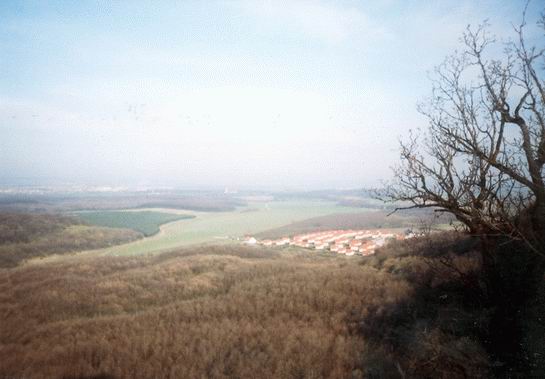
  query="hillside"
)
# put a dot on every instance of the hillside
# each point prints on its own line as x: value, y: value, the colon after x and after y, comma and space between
x: 25, y: 236
x: 358, y: 220
x: 233, y: 311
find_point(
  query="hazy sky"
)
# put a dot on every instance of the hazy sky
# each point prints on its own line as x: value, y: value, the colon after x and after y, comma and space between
x: 290, y: 94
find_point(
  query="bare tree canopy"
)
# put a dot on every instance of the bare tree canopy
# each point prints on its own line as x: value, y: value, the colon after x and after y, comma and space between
x: 483, y: 156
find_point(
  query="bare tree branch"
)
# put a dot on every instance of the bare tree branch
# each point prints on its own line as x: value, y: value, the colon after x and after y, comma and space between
x: 482, y: 158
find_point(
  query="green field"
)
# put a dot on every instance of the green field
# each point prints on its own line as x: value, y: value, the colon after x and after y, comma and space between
x: 224, y: 227
x: 146, y: 222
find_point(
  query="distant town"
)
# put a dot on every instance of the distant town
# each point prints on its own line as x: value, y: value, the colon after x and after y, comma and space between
x: 346, y: 242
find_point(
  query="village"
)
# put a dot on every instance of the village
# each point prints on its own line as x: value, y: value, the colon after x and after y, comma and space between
x: 346, y: 242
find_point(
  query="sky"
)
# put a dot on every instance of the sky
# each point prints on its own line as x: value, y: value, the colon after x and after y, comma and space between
x: 240, y: 94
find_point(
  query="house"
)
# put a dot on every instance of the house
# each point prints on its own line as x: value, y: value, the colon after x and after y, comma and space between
x: 250, y: 241
x: 348, y: 242
x: 267, y: 243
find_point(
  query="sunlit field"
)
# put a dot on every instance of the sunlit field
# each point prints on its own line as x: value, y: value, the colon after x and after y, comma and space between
x: 223, y: 227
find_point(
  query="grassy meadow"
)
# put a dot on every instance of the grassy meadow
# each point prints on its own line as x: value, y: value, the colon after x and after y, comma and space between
x: 222, y: 227
x: 24, y: 236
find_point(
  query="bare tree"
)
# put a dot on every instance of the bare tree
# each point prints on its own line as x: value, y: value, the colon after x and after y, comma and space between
x: 483, y: 156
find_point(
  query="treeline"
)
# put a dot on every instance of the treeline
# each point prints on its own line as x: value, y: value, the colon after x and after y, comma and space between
x: 24, y: 227
x: 24, y: 236
x: 204, y: 201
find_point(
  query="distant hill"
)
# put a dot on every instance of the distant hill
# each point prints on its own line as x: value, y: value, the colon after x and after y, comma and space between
x: 364, y: 220
x: 73, y: 201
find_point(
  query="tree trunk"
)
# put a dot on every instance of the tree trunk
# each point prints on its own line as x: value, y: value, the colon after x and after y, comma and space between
x: 538, y: 221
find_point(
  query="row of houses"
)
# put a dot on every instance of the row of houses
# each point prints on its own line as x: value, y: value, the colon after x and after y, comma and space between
x: 347, y: 242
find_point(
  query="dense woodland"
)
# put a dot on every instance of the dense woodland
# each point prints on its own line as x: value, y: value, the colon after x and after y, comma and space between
x: 214, y: 312
x: 413, y: 310
x: 418, y: 308
x: 24, y: 236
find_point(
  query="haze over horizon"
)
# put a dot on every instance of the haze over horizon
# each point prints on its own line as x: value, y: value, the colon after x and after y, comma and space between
x: 243, y: 94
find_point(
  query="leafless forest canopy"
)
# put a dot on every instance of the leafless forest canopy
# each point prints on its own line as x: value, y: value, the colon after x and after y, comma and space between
x: 25, y: 236
x: 233, y: 312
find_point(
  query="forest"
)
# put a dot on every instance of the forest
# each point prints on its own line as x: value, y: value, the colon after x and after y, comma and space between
x: 240, y: 312
x: 25, y: 236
